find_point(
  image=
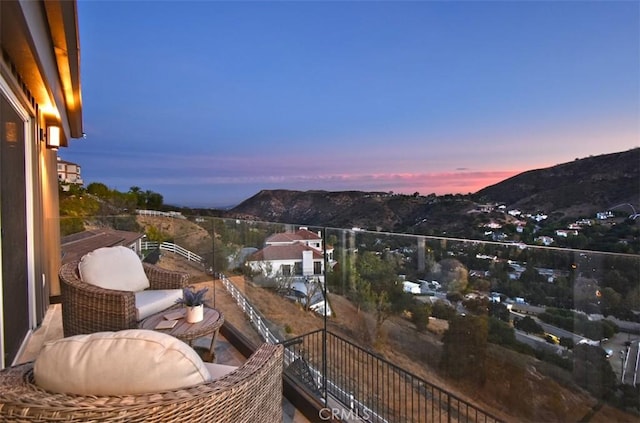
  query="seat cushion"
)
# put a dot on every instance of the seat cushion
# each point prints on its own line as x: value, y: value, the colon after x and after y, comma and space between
x: 116, y: 268
x: 153, y: 301
x: 127, y: 362
x: 218, y: 370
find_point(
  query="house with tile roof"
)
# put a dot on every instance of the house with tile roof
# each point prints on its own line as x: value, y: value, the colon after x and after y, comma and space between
x: 296, y: 260
x: 292, y: 254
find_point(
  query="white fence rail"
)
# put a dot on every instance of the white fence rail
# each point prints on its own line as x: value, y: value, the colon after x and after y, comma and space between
x: 173, y: 248
x: 175, y: 214
x: 256, y: 319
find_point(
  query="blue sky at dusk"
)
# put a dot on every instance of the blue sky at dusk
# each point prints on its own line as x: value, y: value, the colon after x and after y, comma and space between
x: 210, y: 102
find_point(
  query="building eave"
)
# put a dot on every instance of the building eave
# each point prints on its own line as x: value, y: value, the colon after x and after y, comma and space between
x: 41, y: 40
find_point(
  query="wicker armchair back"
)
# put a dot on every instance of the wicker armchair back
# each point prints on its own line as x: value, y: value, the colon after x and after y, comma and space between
x: 87, y: 308
x: 251, y: 393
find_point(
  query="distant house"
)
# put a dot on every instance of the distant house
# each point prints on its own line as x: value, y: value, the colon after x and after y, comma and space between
x: 604, y: 215
x: 493, y: 225
x: 69, y: 173
x: 539, y: 217
x: 544, y: 240
x: 566, y: 232
x: 299, y: 253
x: 411, y: 287
x: 486, y: 208
x: 499, y: 236
x: 297, y: 258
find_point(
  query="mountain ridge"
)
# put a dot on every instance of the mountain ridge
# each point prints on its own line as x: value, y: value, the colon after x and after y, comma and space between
x: 571, y: 190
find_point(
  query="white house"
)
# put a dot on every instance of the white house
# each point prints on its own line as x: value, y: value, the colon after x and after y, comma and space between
x: 544, y: 240
x: 299, y: 253
x: 69, y: 173
x: 565, y: 232
x: 411, y: 287
x: 287, y: 260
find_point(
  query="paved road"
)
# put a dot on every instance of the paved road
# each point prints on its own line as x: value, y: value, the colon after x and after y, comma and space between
x: 624, y: 361
x: 631, y: 356
x: 625, y: 348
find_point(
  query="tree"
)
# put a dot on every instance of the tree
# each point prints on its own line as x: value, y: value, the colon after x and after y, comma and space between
x: 379, y: 285
x: 478, y: 306
x: 499, y: 311
x: 454, y: 275
x: 592, y: 370
x: 501, y: 333
x: 420, y: 313
x: 442, y: 310
x: 465, y: 348
x: 146, y: 199
x: 454, y: 296
x: 99, y: 190
x: 154, y: 200
x: 527, y: 324
x: 313, y: 288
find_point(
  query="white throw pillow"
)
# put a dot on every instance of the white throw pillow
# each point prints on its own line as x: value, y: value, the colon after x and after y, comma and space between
x: 116, y: 268
x: 127, y: 362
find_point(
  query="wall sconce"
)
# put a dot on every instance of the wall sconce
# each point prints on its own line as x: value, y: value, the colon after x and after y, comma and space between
x: 53, y: 137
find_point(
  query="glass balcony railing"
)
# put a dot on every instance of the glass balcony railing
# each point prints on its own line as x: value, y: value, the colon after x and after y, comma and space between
x: 389, y: 327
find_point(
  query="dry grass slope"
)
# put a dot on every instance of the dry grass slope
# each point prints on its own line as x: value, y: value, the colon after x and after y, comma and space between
x: 519, y: 388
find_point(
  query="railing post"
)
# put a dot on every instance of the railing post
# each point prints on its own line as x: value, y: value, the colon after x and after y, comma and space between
x: 324, y: 362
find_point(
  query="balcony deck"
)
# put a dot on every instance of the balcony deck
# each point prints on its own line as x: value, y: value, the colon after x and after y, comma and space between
x: 51, y: 329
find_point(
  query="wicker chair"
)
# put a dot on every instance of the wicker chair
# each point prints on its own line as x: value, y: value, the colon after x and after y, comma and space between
x: 88, y: 308
x: 251, y: 393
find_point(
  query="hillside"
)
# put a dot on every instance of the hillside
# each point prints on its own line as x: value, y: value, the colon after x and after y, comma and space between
x: 345, y: 209
x: 579, y: 188
x: 567, y: 191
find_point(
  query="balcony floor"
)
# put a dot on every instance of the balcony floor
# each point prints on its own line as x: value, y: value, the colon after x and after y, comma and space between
x: 51, y: 329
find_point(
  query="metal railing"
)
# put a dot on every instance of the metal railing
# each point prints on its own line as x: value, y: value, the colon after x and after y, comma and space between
x: 370, y: 387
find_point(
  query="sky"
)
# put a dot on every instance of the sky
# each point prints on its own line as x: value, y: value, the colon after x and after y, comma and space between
x: 209, y: 102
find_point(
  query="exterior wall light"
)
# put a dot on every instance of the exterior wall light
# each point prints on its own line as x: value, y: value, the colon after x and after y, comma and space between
x: 53, y: 137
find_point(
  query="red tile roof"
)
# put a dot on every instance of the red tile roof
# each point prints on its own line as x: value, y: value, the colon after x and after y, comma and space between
x: 299, y: 235
x: 284, y: 252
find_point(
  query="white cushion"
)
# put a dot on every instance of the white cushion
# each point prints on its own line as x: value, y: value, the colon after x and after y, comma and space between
x: 218, y: 370
x: 154, y: 301
x: 127, y: 362
x: 116, y: 268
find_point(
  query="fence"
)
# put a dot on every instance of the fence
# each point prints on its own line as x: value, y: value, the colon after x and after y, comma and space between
x: 173, y: 248
x: 174, y: 214
x: 255, y: 317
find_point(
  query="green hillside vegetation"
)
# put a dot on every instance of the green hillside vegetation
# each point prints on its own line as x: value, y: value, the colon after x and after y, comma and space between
x: 99, y: 204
